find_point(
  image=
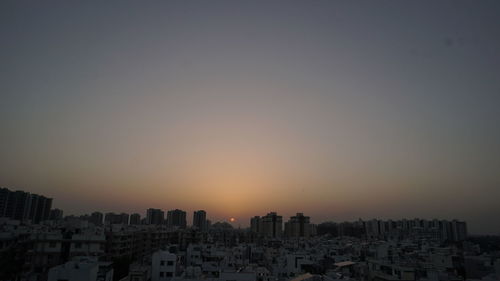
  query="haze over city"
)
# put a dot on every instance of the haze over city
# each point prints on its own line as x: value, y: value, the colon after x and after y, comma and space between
x: 339, y: 110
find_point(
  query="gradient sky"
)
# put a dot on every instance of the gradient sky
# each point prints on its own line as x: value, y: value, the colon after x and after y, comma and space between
x: 340, y: 110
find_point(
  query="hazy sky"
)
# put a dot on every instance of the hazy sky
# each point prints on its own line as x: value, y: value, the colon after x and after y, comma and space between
x: 340, y: 110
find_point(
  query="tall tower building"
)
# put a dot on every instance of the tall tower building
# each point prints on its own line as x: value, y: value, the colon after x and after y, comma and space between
x: 96, y: 218
x: 112, y: 218
x: 4, y: 199
x: 20, y: 205
x: 298, y: 226
x: 155, y: 216
x: 39, y: 208
x: 272, y: 225
x: 255, y: 224
x: 135, y: 219
x: 200, y: 220
x: 176, y: 218
x: 458, y: 230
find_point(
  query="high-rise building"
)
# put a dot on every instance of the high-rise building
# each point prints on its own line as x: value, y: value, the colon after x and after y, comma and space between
x: 96, y: 218
x: 200, y: 220
x: 112, y: 218
x: 155, y: 216
x: 372, y: 228
x: 272, y: 225
x: 20, y: 205
x: 255, y: 224
x: 4, y: 198
x: 176, y: 218
x: 458, y: 230
x: 135, y: 219
x: 39, y: 208
x: 298, y: 226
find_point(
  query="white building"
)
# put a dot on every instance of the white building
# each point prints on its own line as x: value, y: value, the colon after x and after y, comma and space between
x: 163, y: 266
x: 82, y: 269
x: 193, y: 255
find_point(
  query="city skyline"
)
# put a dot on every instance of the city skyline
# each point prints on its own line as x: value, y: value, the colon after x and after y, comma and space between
x: 337, y: 110
x: 14, y: 205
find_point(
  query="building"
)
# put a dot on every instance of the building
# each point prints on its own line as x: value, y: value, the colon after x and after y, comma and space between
x: 82, y: 269
x: 4, y: 198
x: 372, y: 229
x: 138, y: 272
x: 18, y: 205
x: 22, y: 206
x: 155, y: 216
x: 200, y: 220
x: 163, y: 266
x: 112, y: 218
x: 298, y: 226
x: 255, y: 224
x: 39, y: 208
x: 272, y: 225
x: 135, y: 219
x: 96, y: 218
x: 53, y: 247
x: 458, y: 230
x: 176, y: 218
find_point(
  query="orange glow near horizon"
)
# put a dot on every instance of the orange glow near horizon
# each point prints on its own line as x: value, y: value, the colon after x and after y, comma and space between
x: 327, y: 109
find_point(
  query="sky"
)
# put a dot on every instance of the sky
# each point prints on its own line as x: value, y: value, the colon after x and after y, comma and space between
x: 337, y: 109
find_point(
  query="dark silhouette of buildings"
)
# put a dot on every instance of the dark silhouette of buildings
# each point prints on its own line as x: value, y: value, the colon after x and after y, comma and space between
x: 40, y: 208
x: 22, y: 206
x: 155, y: 216
x: 176, y: 218
x: 200, y: 220
x: 112, y: 218
x: 135, y: 219
x: 96, y: 218
x: 298, y: 226
x: 270, y: 225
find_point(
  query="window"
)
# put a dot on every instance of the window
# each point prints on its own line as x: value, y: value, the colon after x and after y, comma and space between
x: 170, y: 262
x: 169, y: 274
x: 78, y: 245
x: 52, y: 244
x: 162, y: 263
x: 162, y: 274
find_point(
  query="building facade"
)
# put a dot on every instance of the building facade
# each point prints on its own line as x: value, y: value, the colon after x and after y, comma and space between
x: 176, y: 218
x: 272, y: 225
x: 155, y: 216
x: 200, y: 220
x: 298, y: 226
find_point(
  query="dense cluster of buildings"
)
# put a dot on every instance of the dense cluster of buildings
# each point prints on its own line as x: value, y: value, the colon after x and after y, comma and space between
x: 271, y: 225
x: 436, y: 230
x: 23, y: 206
x: 163, y: 247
